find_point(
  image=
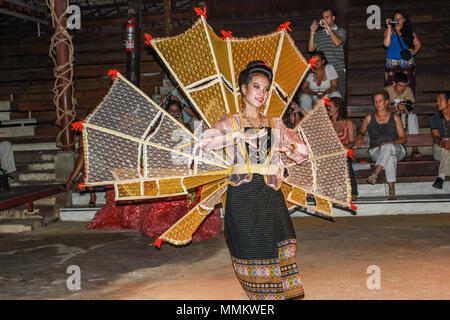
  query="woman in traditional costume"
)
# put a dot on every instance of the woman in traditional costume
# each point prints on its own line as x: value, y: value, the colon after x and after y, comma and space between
x: 258, y: 229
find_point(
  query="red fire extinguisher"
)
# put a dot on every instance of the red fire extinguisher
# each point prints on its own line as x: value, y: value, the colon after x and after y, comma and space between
x: 130, y: 35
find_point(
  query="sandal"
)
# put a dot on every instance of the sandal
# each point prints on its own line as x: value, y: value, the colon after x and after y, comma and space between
x: 372, y: 179
x: 391, y: 195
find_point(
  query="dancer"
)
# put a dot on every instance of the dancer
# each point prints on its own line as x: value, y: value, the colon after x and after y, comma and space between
x: 258, y: 229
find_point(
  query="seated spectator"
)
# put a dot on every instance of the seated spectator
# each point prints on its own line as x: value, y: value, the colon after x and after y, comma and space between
x: 401, y: 99
x: 346, y: 132
x: 322, y: 81
x: 189, y: 115
x: 7, y: 159
x: 79, y: 167
x: 175, y: 109
x: 439, y: 124
x: 293, y: 115
x: 387, y: 137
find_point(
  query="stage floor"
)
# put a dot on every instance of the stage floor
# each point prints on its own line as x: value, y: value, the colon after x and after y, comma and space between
x: 411, y: 252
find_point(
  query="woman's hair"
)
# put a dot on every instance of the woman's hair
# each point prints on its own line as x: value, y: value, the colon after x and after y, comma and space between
x: 342, y: 108
x: 381, y: 92
x: 321, y: 55
x: 406, y: 30
x: 255, y: 67
x: 173, y: 102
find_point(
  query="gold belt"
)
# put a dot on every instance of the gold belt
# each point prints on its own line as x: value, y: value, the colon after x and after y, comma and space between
x: 263, y: 169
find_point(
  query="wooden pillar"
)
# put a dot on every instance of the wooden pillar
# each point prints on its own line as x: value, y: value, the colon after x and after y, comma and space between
x: 134, y: 57
x: 62, y: 58
x: 342, y: 9
x: 167, y: 17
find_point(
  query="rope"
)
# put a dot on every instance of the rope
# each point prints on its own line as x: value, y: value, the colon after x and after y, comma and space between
x: 62, y: 73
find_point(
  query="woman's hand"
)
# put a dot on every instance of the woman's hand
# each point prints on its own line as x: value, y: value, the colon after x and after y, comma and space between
x: 388, y: 23
x: 69, y: 184
x: 385, y: 142
x: 359, y: 141
x: 314, y: 26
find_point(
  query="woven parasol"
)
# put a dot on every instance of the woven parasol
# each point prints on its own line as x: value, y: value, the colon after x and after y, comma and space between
x: 134, y: 144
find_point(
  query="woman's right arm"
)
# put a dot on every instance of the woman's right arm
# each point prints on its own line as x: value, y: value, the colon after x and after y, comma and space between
x: 387, y: 34
x: 362, y: 131
x: 306, y: 89
x: 218, y: 136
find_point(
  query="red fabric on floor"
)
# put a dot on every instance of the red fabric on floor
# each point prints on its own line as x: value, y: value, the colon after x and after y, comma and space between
x: 152, y: 217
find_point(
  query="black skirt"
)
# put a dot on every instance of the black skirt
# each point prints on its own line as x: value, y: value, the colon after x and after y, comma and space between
x: 262, y: 242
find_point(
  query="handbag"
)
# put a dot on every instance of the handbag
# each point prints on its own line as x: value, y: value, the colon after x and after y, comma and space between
x: 405, y: 53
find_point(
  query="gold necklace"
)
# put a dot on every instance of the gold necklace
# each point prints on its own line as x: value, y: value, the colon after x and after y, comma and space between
x: 251, y: 122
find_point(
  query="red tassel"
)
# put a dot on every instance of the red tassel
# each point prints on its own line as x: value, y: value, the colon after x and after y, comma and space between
x: 113, y: 73
x: 350, y: 154
x: 82, y: 185
x: 148, y: 39
x: 285, y: 26
x: 226, y: 34
x: 78, y: 126
x: 312, y: 62
x: 158, y: 242
x: 326, y: 100
x: 201, y: 12
x: 354, y: 208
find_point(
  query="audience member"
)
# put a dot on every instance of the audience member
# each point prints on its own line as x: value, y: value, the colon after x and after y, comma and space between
x: 400, y: 41
x: 175, y: 109
x: 401, y: 99
x: 337, y: 110
x: 293, y: 115
x: 189, y: 115
x: 327, y: 37
x: 322, y: 81
x: 6, y: 157
x: 7, y: 160
x: 387, y: 137
x: 439, y: 124
x: 80, y: 166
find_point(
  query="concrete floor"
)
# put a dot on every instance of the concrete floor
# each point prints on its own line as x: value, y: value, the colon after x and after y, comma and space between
x: 411, y: 251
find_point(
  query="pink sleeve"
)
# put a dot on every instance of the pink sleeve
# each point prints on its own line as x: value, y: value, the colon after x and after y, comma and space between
x: 289, y: 140
x: 218, y: 136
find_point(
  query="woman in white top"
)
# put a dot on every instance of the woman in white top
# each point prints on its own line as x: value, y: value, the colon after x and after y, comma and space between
x: 323, y: 81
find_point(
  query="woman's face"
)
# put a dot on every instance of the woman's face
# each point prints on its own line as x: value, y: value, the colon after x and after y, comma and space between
x: 380, y: 102
x: 176, y: 113
x: 319, y: 63
x: 256, y: 91
x: 332, y: 109
x: 400, y: 18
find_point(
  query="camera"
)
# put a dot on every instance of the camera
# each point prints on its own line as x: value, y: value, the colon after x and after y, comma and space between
x: 393, y: 22
x: 408, y: 105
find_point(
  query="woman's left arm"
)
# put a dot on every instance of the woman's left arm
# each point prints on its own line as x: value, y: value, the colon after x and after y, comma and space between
x: 351, y: 134
x: 291, y: 144
x: 400, y: 130
x: 417, y: 43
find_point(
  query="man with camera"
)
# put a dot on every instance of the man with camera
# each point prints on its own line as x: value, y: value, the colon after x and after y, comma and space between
x: 401, y: 99
x: 439, y: 124
x: 327, y: 37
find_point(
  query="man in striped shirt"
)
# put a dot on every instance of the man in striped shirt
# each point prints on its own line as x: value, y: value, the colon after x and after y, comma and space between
x: 330, y: 39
